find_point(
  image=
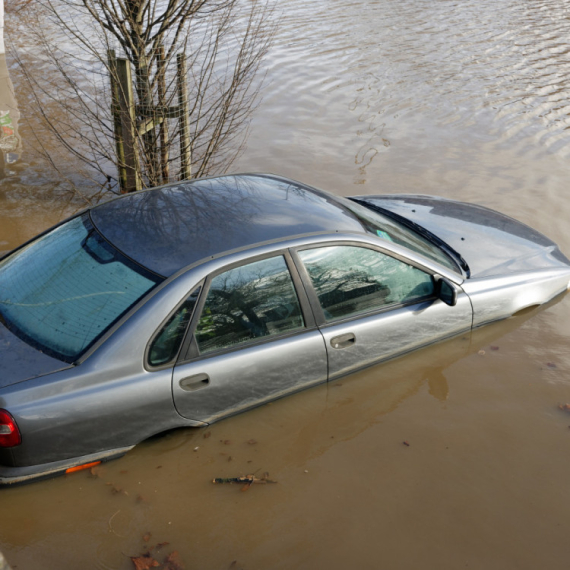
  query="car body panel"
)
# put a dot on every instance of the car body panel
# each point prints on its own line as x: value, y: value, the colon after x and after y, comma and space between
x: 490, y: 242
x: 242, y: 379
x: 495, y: 298
x: 393, y: 332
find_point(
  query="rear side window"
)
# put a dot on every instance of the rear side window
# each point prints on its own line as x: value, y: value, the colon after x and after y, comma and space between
x: 350, y: 280
x: 247, y: 303
x: 166, y: 343
x: 61, y: 292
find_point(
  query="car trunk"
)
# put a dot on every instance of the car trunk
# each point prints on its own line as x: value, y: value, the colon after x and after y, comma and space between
x: 20, y: 361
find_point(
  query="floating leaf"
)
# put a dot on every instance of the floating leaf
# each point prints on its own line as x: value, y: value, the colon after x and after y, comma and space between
x: 173, y: 562
x: 147, y: 536
x: 144, y: 562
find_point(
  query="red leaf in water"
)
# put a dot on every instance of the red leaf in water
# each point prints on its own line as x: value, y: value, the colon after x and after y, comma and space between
x: 144, y: 562
x: 162, y: 545
x: 147, y: 536
x: 173, y: 562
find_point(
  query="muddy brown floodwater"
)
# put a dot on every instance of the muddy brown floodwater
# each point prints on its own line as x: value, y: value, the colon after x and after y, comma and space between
x: 467, y: 100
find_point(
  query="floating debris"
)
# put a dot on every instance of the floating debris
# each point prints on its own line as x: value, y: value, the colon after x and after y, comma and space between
x: 144, y: 562
x: 406, y: 443
x: 247, y: 481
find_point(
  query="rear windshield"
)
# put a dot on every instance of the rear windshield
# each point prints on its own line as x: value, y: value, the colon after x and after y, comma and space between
x: 61, y: 292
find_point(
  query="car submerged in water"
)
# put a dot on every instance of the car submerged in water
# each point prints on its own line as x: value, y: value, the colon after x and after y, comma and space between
x: 182, y: 305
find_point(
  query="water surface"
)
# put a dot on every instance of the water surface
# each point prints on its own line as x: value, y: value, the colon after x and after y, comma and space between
x: 466, y: 100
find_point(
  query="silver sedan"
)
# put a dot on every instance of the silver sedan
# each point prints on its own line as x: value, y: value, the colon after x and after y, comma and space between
x: 182, y: 305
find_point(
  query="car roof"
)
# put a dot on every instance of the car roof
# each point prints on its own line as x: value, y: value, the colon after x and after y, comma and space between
x: 166, y: 229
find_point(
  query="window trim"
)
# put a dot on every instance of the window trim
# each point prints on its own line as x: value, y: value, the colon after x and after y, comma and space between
x: 189, y: 350
x: 322, y: 322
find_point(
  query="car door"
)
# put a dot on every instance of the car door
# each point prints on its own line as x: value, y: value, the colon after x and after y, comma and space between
x: 374, y: 306
x: 252, y: 339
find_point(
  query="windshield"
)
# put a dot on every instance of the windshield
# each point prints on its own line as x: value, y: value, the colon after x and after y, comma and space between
x: 390, y: 230
x: 61, y: 292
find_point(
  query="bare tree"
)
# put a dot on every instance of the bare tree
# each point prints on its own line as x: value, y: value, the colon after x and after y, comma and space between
x: 193, y: 64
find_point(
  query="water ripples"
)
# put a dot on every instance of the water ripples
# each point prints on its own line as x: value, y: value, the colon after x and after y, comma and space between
x: 371, y: 67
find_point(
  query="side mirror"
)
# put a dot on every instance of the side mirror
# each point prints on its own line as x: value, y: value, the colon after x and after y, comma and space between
x: 445, y: 290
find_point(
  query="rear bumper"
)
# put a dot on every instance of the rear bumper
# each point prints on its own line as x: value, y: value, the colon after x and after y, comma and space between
x: 19, y: 475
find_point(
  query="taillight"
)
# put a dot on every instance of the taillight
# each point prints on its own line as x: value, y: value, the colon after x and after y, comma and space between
x: 9, y: 432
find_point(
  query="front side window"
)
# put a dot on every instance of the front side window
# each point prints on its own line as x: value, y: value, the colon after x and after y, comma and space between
x: 349, y: 280
x: 247, y: 303
x: 61, y: 292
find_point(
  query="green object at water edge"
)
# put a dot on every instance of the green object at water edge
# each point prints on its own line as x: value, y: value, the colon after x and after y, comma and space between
x: 6, y: 120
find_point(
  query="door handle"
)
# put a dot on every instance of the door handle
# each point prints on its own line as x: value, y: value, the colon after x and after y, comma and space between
x: 343, y: 341
x: 194, y: 382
